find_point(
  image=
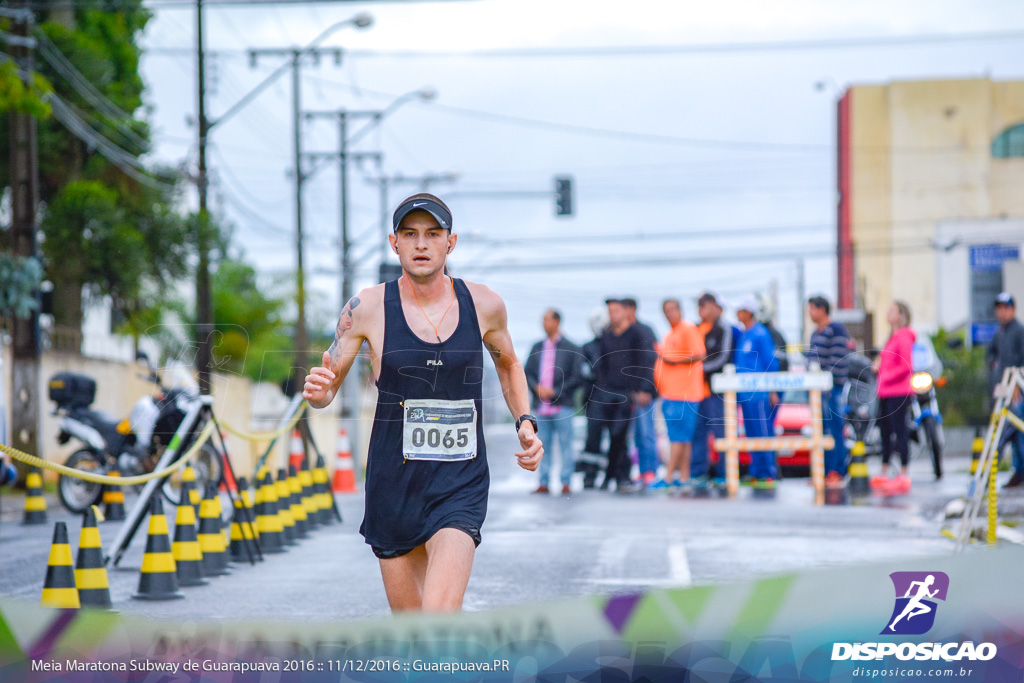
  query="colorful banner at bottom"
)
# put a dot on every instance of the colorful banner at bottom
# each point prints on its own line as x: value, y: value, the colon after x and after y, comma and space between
x: 955, y: 618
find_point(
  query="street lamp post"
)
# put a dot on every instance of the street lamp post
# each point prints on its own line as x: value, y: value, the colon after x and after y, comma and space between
x: 205, y: 126
x: 351, y: 387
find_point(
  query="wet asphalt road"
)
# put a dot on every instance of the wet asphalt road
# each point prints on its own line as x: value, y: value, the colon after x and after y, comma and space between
x: 535, y: 547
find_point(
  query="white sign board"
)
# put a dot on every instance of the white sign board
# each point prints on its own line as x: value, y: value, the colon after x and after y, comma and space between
x: 750, y: 382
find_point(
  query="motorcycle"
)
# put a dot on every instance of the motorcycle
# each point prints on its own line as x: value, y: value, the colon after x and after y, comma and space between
x: 859, y: 401
x: 924, y: 416
x: 131, y: 446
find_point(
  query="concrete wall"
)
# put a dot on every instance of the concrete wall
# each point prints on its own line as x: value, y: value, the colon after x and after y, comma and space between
x: 920, y: 155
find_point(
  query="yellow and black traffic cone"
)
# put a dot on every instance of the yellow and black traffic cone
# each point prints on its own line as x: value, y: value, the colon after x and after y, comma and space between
x: 90, y: 572
x: 859, y: 484
x: 188, y: 556
x: 35, y: 503
x: 284, y: 508
x: 976, y: 448
x: 59, y: 587
x: 189, y: 477
x: 159, y: 578
x: 313, y: 491
x: 322, y: 492
x: 211, y: 536
x: 267, y: 520
x: 243, y: 530
x: 113, y: 501
x: 249, y: 507
x: 299, y: 513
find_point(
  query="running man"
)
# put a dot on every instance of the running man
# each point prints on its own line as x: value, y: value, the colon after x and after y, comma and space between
x: 426, y: 473
x: 915, y: 606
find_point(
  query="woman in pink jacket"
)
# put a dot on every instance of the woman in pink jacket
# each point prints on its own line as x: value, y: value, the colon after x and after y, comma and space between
x: 895, y: 368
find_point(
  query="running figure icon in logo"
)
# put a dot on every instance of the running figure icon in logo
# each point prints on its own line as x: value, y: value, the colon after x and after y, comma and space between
x: 916, y: 588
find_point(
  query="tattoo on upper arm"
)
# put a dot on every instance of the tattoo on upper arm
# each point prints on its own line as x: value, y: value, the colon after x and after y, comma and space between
x: 344, y: 325
x: 494, y: 350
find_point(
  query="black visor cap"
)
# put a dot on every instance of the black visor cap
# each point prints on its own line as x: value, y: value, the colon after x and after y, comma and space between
x: 440, y: 214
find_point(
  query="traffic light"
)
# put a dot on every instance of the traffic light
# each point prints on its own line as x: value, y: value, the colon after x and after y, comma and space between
x: 563, y: 196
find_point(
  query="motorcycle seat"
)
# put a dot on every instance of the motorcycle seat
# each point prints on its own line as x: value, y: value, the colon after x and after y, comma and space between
x: 104, y: 423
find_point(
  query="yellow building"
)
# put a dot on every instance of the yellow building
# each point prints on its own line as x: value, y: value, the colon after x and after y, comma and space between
x: 928, y: 170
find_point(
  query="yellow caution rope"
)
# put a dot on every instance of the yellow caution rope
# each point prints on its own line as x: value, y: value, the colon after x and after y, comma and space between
x: 34, y: 461
x: 266, y: 436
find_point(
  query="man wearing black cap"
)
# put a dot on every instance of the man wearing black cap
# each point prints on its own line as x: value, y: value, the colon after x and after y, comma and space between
x: 426, y: 475
x: 1007, y: 351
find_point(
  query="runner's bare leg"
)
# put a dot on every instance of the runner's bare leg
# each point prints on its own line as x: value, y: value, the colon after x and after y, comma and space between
x: 449, y: 562
x: 404, y: 578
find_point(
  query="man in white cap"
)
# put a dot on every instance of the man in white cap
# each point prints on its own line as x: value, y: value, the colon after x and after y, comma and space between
x: 755, y: 352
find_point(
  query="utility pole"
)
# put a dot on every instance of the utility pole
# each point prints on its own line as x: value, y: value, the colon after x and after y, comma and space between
x: 801, y: 293
x: 204, y: 296
x: 343, y: 117
x: 351, y: 387
x: 295, y: 56
x: 24, y: 181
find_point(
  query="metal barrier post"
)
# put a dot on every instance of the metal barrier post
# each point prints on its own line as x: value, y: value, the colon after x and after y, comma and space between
x: 138, y: 511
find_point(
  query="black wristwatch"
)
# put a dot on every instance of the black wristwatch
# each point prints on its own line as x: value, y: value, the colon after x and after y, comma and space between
x: 524, y: 418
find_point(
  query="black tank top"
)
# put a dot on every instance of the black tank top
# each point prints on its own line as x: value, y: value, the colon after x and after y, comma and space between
x: 409, y: 500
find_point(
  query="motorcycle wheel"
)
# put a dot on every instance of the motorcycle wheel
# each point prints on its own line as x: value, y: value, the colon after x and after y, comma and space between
x: 209, y: 470
x: 76, y: 494
x: 931, y: 429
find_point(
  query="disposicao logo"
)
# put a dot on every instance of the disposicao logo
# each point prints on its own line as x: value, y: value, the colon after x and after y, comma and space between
x: 914, y: 615
x: 916, y: 593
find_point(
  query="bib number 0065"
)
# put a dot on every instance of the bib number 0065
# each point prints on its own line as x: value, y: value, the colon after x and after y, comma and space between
x: 432, y: 437
x: 436, y: 429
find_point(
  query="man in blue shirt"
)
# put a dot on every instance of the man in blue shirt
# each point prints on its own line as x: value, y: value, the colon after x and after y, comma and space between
x: 830, y: 346
x: 755, y: 352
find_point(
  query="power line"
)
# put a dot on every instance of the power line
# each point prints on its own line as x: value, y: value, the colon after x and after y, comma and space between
x: 696, y: 48
x: 652, y: 138
x: 662, y: 50
x: 84, y: 87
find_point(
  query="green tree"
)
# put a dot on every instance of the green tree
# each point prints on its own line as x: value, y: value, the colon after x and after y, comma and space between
x: 252, y: 339
x: 104, y: 230
x: 964, y: 400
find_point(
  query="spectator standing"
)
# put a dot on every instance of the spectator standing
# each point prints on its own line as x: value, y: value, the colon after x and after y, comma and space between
x: 895, y: 370
x: 553, y: 375
x: 829, y: 347
x: 643, y: 411
x: 617, y: 386
x: 1007, y: 351
x: 720, y: 344
x: 755, y: 352
x: 679, y: 377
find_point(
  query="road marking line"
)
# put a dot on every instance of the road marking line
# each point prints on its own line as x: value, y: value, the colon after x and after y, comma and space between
x: 679, y: 565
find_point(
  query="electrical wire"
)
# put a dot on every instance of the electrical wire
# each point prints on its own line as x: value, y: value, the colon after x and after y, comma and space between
x: 52, y: 55
x: 654, y: 138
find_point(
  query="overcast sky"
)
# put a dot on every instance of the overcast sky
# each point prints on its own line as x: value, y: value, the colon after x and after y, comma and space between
x: 734, y: 145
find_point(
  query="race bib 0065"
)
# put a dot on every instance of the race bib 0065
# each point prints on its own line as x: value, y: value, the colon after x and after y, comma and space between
x: 434, y: 429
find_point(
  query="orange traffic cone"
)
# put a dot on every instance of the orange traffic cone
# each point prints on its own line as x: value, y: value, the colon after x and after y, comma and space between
x: 344, y: 469
x: 297, y: 450
x: 227, y: 482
